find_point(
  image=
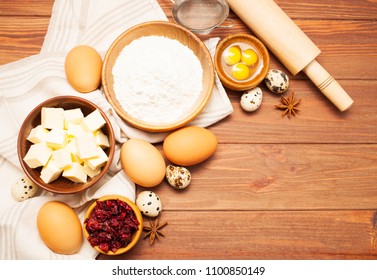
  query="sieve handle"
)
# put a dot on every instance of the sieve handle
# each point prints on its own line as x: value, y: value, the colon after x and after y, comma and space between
x: 226, y: 25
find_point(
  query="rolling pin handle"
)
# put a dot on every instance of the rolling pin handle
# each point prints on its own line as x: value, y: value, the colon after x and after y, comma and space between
x: 328, y: 85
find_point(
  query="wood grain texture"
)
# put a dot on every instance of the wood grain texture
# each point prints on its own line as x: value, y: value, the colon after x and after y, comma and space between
x: 341, y: 36
x: 317, y: 122
x: 347, y: 46
x: 261, y: 235
x: 21, y: 37
x: 317, y: 9
x: 277, y: 188
x: 330, y: 9
x: 280, y: 177
x: 40, y: 8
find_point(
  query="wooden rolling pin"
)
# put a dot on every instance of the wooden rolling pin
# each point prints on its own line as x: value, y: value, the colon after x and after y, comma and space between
x: 290, y: 45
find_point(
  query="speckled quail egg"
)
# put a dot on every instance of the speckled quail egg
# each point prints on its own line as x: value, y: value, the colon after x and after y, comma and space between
x: 277, y: 81
x: 149, y: 203
x: 23, y: 189
x: 251, y: 99
x: 178, y: 177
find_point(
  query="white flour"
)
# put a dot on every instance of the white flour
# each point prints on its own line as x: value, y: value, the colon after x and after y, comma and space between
x: 157, y: 79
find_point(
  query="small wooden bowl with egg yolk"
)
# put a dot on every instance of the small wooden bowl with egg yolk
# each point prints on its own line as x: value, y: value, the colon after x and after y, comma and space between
x: 62, y: 185
x: 256, y: 72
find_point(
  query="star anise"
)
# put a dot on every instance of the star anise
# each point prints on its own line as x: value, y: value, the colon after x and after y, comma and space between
x: 154, y: 230
x: 289, y: 105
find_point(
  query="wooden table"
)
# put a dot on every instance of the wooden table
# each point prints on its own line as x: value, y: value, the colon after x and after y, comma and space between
x: 277, y: 188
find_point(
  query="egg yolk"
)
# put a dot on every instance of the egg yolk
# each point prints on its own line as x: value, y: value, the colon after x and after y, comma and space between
x: 249, y: 57
x: 240, y: 71
x: 232, y: 55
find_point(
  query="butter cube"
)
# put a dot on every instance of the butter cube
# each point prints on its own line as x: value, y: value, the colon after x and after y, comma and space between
x: 52, y: 118
x: 86, y: 145
x: 99, y: 161
x: 74, y: 116
x: 90, y: 172
x: 50, y: 171
x: 75, y: 172
x: 74, y: 129
x: 62, y: 157
x: 37, y: 155
x: 57, y: 138
x: 37, y: 134
x: 72, y: 147
x: 93, y: 121
x: 101, y: 139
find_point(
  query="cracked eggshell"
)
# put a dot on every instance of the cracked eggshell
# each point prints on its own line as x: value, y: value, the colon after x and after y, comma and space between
x: 23, y: 189
x: 277, y: 81
x: 149, y: 203
x: 251, y: 99
x: 178, y: 177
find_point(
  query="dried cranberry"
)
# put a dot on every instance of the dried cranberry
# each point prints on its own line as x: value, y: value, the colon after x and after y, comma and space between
x: 114, y: 222
x: 104, y: 247
x: 115, y: 246
x: 111, y: 225
x: 93, y: 241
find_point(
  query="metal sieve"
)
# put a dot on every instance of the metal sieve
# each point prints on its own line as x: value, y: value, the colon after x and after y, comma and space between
x: 201, y: 16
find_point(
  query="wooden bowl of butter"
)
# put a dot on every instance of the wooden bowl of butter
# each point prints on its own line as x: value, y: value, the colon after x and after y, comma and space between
x: 158, y: 76
x: 66, y: 144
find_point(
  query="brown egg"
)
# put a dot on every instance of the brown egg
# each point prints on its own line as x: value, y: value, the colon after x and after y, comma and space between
x: 83, y: 66
x: 189, y: 145
x: 142, y: 163
x: 59, y: 227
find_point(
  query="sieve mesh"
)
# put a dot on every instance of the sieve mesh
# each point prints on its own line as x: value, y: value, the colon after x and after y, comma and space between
x: 200, y: 14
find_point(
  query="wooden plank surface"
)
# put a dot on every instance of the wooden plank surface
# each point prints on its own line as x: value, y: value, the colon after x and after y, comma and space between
x: 263, y: 235
x: 342, y: 54
x: 277, y: 188
x: 280, y: 177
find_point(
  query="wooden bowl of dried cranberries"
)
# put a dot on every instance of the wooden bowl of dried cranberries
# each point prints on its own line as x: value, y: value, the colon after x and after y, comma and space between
x: 113, y: 225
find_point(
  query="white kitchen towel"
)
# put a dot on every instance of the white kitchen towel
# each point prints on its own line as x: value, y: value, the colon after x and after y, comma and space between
x: 27, y: 82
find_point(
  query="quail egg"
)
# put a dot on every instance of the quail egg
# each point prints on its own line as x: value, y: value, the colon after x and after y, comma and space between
x: 178, y: 177
x: 277, y: 81
x: 251, y: 99
x: 149, y: 203
x: 23, y: 189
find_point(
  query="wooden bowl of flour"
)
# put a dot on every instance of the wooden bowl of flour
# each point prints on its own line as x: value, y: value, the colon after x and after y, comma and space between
x: 158, y: 76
